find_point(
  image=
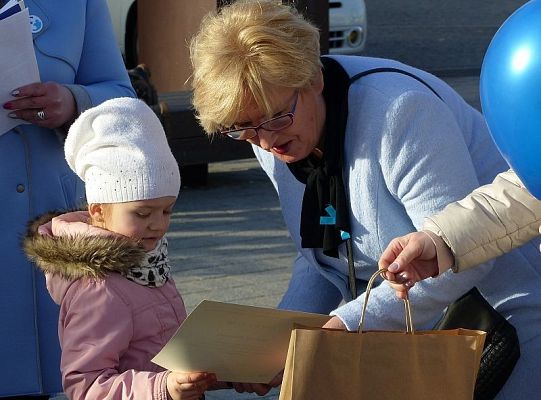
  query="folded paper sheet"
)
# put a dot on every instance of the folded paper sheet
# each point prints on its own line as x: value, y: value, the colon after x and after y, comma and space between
x: 237, y: 343
x: 17, y: 62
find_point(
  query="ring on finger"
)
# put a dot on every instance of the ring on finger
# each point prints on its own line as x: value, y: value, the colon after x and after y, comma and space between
x: 40, y: 115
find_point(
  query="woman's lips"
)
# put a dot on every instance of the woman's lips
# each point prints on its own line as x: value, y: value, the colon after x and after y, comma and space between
x: 282, y: 149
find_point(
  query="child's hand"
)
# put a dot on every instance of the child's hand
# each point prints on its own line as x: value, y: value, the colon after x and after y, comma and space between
x: 409, y: 259
x: 188, y: 386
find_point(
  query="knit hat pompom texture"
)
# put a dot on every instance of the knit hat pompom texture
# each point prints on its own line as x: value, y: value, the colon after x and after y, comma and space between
x: 120, y: 151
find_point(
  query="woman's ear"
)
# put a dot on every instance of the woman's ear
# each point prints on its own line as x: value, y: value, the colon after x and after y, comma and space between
x: 96, y: 213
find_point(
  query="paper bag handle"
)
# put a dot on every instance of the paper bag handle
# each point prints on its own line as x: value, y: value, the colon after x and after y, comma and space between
x: 409, y: 320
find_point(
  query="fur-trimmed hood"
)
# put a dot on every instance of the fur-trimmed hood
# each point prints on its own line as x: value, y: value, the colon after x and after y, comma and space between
x: 80, y: 256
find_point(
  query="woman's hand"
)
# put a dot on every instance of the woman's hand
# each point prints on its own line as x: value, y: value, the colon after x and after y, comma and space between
x: 188, y: 386
x: 409, y: 259
x: 49, y: 105
x: 260, y: 389
x: 335, y: 323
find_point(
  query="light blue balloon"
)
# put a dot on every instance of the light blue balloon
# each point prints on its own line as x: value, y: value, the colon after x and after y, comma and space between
x: 510, y: 89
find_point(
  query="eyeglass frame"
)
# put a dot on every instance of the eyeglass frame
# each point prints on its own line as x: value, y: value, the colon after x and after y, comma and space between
x: 290, y: 115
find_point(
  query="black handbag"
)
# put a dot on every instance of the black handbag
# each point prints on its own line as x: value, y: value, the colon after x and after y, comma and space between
x: 502, y: 348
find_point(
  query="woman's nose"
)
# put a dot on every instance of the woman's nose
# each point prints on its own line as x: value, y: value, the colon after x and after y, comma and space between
x: 265, y: 139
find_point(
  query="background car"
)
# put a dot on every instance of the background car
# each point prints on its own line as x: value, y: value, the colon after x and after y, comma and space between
x: 347, y: 27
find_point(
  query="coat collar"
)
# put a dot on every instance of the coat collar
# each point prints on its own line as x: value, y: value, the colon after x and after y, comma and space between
x: 74, y: 257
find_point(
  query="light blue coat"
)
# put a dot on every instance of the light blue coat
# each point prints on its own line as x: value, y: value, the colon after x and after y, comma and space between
x: 408, y: 154
x: 75, y: 47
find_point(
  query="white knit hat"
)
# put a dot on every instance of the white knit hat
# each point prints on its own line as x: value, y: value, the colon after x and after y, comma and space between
x: 120, y: 151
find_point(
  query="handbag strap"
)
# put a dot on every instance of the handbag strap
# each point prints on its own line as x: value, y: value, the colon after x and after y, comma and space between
x: 407, y: 307
x: 352, y: 278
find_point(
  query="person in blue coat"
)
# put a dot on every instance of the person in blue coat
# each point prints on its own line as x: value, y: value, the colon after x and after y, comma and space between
x: 80, y: 66
x: 360, y: 151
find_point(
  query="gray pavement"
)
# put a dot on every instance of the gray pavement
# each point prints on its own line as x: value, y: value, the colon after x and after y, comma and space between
x: 228, y: 241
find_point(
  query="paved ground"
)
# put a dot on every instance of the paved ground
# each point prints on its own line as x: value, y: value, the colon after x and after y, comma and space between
x: 435, y: 35
x: 228, y: 241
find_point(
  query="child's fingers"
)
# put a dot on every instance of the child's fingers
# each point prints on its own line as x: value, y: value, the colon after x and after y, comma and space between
x: 198, y: 386
x: 192, y: 377
x: 192, y: 385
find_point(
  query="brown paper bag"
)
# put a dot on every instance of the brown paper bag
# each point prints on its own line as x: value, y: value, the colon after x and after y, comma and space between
x: 324, y: 364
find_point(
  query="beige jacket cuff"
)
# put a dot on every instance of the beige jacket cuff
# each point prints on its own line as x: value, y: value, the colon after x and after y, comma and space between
x: 492, y: 220
x: 443, y: 253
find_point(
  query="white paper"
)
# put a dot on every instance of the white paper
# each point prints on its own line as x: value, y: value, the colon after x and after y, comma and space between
x: 238, y: 343
x: 9, y: 4
x: 18, y: 65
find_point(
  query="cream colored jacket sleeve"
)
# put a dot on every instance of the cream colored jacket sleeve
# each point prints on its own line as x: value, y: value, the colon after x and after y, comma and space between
x: 492, y: 220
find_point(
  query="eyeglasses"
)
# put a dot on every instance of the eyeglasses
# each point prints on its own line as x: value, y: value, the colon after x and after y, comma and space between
x: 274, y: 124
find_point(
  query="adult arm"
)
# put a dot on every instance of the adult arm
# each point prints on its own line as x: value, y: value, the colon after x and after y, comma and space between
x: 101, y: 74
x: 93, y: 339
x: 426, y: 164
x: 491, y: 221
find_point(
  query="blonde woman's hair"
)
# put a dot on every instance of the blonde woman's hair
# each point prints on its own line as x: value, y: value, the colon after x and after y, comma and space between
x: 249, y: 48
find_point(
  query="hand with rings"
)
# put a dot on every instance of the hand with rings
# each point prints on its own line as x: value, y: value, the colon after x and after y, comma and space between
x: 189, y: 386
x: 49, y: 104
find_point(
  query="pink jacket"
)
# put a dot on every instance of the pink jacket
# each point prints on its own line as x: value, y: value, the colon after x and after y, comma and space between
x: 109, y: 327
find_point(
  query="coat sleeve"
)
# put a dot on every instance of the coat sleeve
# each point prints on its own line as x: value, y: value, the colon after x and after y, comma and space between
x: 95, y: 330
x: 101, y: 74
x: 505, y: 216
x: 426, y: 164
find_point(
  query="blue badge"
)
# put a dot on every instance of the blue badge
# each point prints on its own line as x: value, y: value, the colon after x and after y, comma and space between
x: 36, y: 23
x: 330, y: 219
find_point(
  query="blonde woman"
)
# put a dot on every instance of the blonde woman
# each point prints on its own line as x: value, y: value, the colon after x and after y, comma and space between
x: 360, y: 150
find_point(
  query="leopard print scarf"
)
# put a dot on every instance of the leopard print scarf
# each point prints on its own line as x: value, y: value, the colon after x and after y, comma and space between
x: 154, y: 270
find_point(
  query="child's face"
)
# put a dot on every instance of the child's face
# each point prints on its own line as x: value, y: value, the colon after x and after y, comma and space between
x: 145, y: 221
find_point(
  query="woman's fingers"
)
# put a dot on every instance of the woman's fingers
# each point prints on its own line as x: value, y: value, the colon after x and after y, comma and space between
x: 49, y: 104
x: 277, y: 380
x: 260, y: 389
x: 335, y: 323
x: 35, y: 89
x: 408, y: 259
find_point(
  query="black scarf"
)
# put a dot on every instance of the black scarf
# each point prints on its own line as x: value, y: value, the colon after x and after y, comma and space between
x: 323, y: 176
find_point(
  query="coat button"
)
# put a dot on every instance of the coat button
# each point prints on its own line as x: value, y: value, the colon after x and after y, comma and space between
x: 20, y: 188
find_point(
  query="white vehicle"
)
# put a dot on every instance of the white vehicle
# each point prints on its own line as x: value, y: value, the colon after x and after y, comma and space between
x: 347, y: 27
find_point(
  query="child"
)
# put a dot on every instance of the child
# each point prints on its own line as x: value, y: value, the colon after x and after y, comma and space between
x: 492, y: 220
x: 107, y: 267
